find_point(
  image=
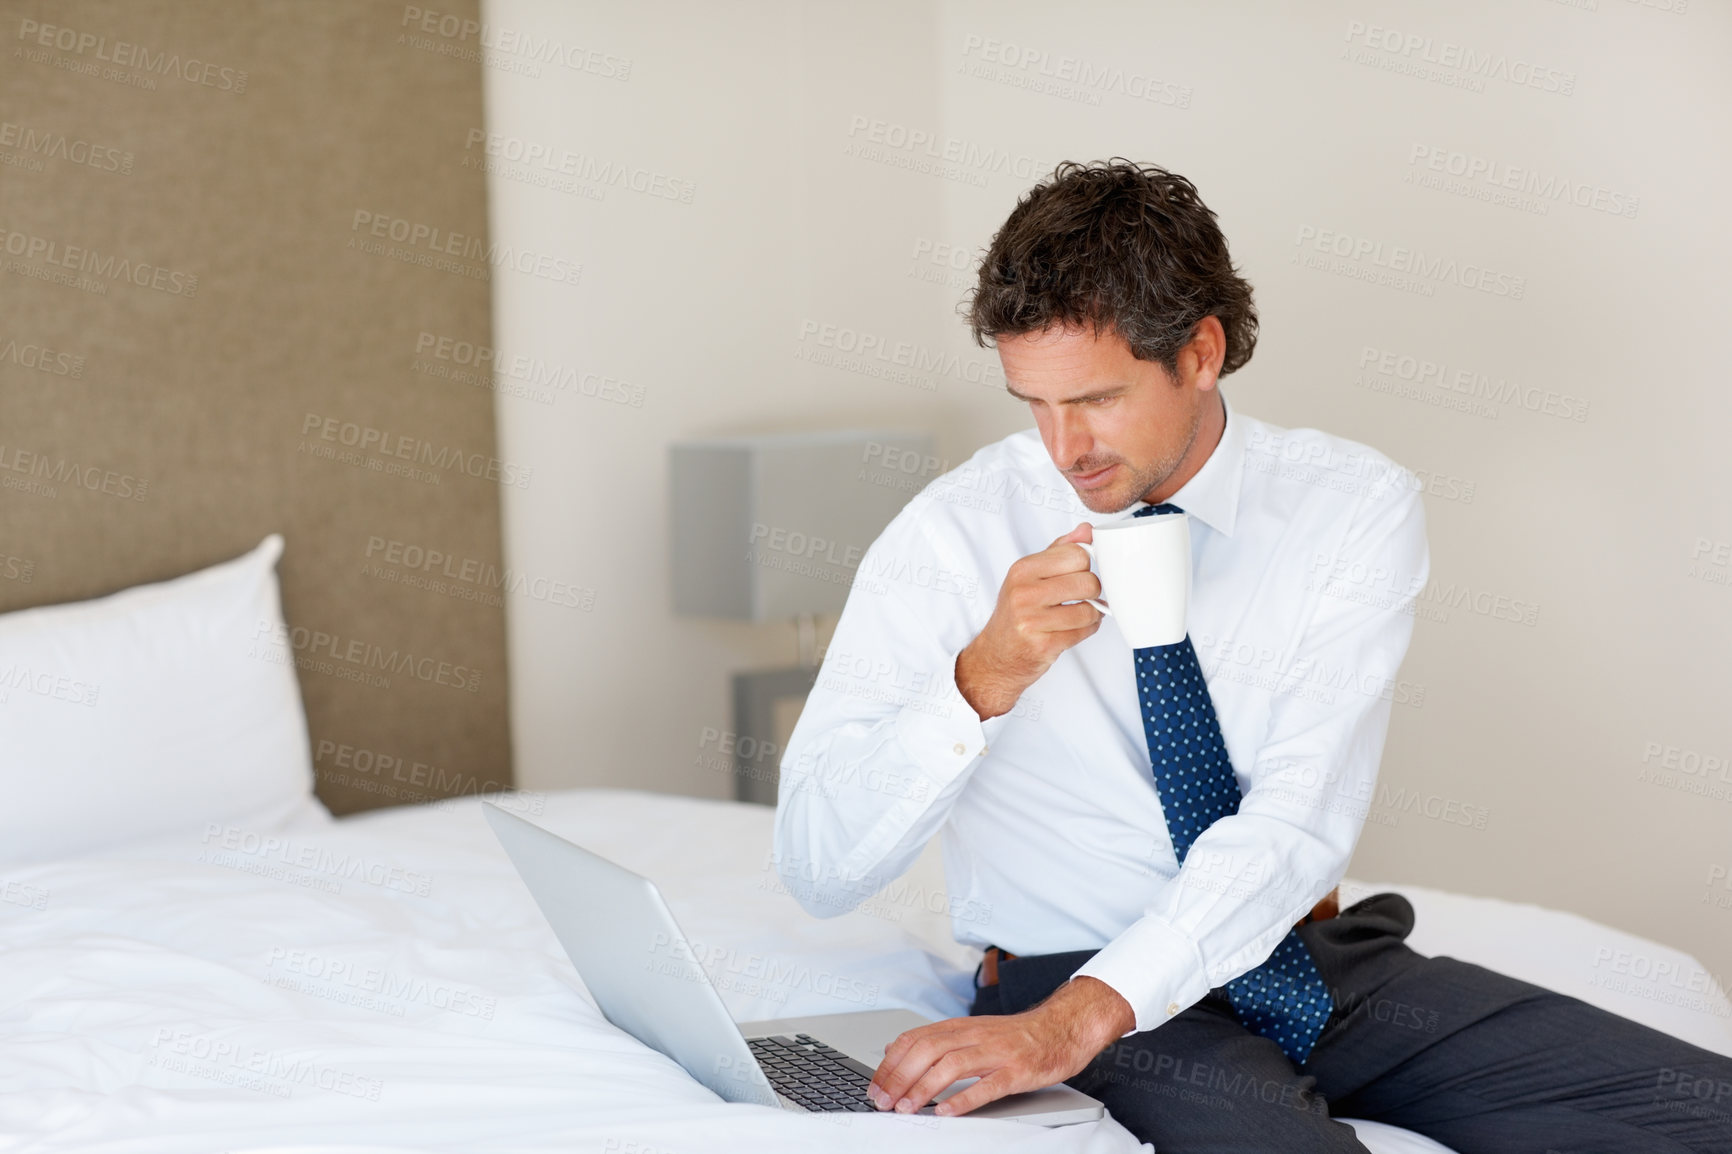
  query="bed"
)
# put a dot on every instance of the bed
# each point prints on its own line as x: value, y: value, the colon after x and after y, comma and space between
x: 195, y: 955
x: 385, y: 982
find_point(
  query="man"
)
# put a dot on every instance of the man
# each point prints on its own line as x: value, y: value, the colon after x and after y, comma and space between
x: 1145, y: 843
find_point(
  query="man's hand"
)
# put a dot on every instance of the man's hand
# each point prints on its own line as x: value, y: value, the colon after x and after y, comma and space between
x: 1011, y: 1053
x: 1030, y: 625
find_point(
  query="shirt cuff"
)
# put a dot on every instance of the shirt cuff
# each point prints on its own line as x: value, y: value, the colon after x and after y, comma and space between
x: 1152, y: 966
x: 943, y: 734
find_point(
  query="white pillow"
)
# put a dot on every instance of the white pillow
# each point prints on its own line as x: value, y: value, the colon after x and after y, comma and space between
x: 152, y: 711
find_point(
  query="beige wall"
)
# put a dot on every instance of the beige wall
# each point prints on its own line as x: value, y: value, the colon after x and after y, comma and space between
x: 1577, y: 636
x: 200, y: 166
x: 695, y: 309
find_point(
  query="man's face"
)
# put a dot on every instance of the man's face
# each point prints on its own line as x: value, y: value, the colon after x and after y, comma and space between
x: 1115, y: 426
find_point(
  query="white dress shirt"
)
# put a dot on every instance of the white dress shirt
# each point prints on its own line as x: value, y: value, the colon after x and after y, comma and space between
x: 1307, y: 551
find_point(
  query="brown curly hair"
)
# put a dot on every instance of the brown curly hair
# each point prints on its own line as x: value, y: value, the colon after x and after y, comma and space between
x: 1114, y: 244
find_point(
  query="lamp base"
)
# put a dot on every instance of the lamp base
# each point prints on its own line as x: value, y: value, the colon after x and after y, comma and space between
x: 767, y: 702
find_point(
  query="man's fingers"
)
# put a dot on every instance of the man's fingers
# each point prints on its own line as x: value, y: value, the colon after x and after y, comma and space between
x: 907, y: 1059
x: 1065, y: 618
x: 887, y: 1072
x: 897, y: 1047
x: 1072, y: 586
x: 1059, y: 557
x: 908, y: 1039
x: 956, y: 1064
x: 1082, y: 532
x: 1051, y: 595
x: 1068, y: 638
x: 1051, y: 561
x: 989, y: 1089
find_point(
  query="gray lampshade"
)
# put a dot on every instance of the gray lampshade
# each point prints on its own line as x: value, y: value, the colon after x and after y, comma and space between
x: 770, y: 527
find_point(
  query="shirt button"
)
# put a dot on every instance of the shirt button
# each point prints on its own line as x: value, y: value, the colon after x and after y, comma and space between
x: 1172, y: 1008
x: 959, y: 749
x: 983, y: 751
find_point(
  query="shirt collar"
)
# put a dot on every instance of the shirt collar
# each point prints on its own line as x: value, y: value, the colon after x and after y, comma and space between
x: 1212, y: 495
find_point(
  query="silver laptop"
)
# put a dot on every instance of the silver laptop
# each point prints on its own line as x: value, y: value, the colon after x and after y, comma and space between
x: 639, y: 967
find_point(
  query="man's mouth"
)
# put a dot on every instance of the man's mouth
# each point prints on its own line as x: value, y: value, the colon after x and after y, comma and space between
x: 1092, y: 480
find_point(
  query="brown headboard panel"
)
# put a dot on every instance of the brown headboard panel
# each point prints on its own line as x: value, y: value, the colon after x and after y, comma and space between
x: 241, y: 247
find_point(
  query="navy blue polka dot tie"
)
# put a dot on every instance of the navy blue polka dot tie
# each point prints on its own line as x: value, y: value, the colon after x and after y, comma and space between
x: 1284, y: 999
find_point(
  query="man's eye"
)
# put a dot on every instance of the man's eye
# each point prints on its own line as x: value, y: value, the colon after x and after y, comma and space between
x: 1100, y: 400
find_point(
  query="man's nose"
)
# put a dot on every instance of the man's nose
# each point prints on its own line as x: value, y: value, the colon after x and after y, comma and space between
x: 1071, y: 440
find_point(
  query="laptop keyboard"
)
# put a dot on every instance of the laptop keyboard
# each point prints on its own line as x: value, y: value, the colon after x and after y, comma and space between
x: 817, y: 1076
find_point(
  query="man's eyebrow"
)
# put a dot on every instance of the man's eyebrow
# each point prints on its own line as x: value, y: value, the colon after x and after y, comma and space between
x: 1110, y: 391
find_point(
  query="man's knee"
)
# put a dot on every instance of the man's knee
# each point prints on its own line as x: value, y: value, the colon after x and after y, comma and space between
x: 1189, y: 1103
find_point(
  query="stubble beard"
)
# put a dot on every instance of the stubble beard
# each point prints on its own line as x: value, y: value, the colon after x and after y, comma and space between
x: 1142, y: 481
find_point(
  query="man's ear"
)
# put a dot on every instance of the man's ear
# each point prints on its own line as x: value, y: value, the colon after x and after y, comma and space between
x: 1201, y: 359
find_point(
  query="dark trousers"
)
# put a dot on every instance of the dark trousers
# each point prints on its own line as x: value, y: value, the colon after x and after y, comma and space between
x: 1483, y: 1063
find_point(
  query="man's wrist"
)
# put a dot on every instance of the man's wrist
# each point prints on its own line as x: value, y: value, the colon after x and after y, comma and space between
x: 1096, y: 1014
x: 983, y: 692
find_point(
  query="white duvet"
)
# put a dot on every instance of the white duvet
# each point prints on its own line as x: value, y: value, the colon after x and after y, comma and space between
x: 385, y: 982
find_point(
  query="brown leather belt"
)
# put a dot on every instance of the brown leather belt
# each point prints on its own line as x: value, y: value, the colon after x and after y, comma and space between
x: 1324, y: 909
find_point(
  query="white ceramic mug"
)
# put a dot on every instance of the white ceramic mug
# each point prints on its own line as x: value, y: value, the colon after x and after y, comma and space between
x: 1144, y: 564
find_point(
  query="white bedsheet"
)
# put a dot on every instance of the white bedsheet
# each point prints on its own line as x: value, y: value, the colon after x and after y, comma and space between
x: 385, y: 983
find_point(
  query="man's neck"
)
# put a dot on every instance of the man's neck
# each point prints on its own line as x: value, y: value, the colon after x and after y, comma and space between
x: 1209, y: 433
